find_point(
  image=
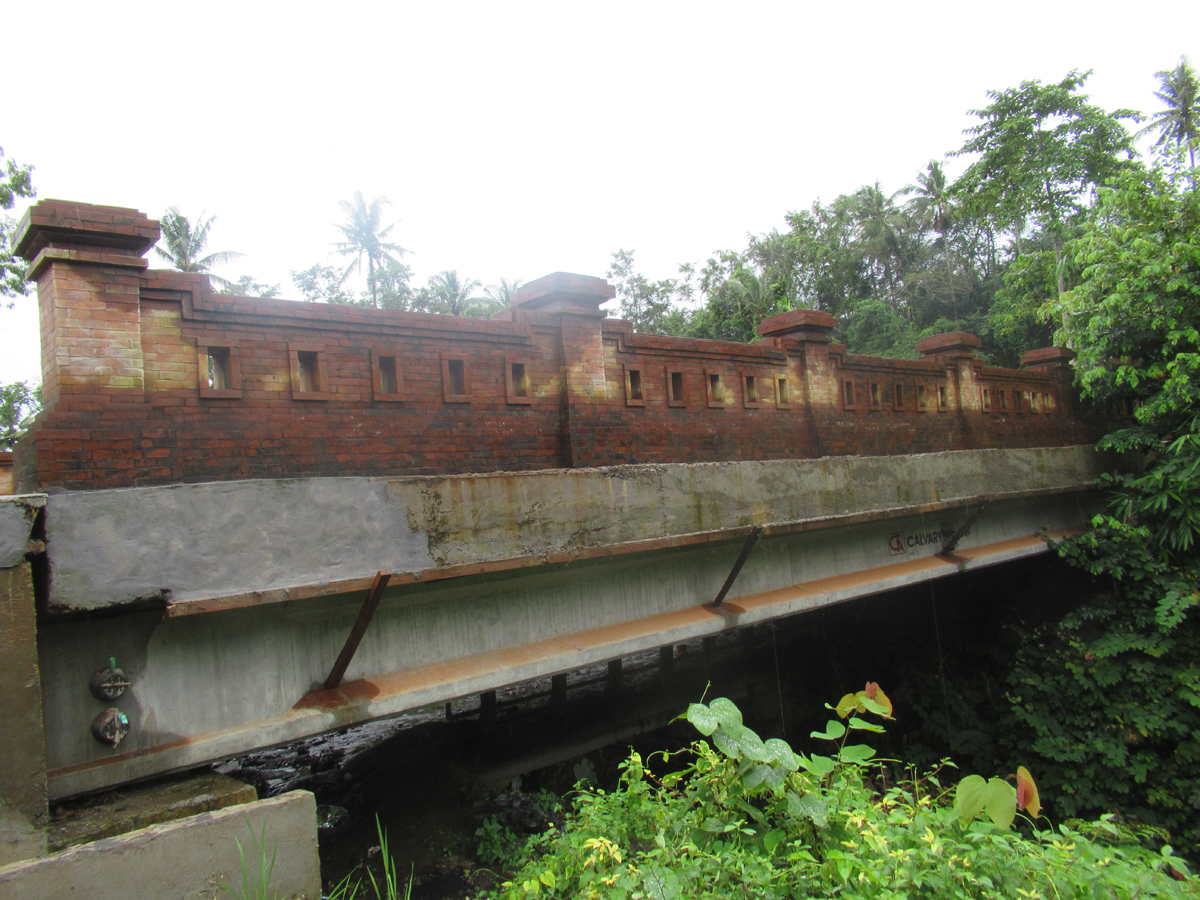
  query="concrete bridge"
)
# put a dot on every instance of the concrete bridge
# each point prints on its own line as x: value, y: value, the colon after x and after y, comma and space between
x: 228, y: 500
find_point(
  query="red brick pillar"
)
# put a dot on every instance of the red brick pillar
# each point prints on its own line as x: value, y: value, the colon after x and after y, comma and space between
x: 86, y: 261
x: 575, y: 300
x: 1056, y: 362
x: 804, y: 335
x: 956, y: 350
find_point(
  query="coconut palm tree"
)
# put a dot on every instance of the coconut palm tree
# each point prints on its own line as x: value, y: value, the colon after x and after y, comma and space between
x: 186, y: 243
x: 502, y: 293
x: 882, y: 232
x: 931, y: 206
x: 366, y: 237
x: 1180, y: 121
x: 453, y: 296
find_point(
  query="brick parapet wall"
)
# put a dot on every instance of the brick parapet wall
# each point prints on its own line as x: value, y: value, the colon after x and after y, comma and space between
x: 547, y: 384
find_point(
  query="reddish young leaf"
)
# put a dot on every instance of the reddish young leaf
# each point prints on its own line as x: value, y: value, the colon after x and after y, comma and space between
x: 1027, y: 793
x: 875, y: 692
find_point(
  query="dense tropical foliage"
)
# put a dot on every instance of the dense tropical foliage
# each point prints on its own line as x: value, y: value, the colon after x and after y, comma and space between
x: 19, y: 402
x: 752, y: 818
x: 1056, y: 230
x: 1109, y: 698
x: 982, y: 253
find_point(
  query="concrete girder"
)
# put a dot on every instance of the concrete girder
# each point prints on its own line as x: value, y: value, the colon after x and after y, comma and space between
x: 222, y: 683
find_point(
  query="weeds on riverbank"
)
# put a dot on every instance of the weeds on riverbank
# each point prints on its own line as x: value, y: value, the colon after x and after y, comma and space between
x: 387, y: 887
x: 255, y: 888
x: 752, y: 818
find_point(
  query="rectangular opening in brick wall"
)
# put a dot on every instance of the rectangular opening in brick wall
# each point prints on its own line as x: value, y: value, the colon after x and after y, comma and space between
x: 899, y: 397
x: 1002, y: 396
x: 675, y: 393
x: 1026, y: 403
x: 1035, y: 404
x: 387, y: 376
x: 754, y: 391
x: 634, y: 395
x: 922, y: 400
x: 1048, y: 402
x: 456, y: 380
x: 876, y: 397
x: 516, y: 383
x: 941, y: 397
x: 220, y: 373
x: 784, y: 394
x: 310, y: 378
x: 987, y: 400
x: 848, y: 394
x: 219, y: 377
x: 716, y: 388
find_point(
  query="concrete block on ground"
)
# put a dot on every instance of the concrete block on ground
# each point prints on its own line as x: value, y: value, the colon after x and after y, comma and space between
x: 188, y: 859
x: 138, y: 807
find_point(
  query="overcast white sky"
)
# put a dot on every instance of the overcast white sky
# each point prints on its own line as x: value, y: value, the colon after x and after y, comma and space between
x: 517, y: 139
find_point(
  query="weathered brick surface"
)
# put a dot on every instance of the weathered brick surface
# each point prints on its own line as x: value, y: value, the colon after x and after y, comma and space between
x: 123, y: 378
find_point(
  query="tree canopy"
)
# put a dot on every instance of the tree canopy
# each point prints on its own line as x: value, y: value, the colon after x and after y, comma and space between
x: 366, y: 236
x: 1179, y: 123
x: 183, y: 245
x: 16, y: 182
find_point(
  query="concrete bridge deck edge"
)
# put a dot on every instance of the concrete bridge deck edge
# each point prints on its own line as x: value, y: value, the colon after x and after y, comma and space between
x: 401, y: 691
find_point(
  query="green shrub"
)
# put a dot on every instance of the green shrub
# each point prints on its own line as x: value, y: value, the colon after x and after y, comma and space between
x: 752, y: 818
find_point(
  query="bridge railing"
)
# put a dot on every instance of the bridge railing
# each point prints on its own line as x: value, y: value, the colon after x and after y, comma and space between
x: 150, y: 377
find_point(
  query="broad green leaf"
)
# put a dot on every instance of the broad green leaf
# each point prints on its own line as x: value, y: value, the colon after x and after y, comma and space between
x: 777, y: 776
x: 726, y: 711
x: 856, y: 753
x: 844, y: 868
x: 757, y: 775
x: 702, y: 717
x: 733, y: 729
x: 863, y: 725
x: 872, y: 705
x: 726, y: 744
x: 752, y: 746
x: 713, y: 825
x: 809, y: 806
x: 752, y: 812
x: 661, y: 884
x: 970, y: 796
x: 818, y: 765
x: 1000, y: 801
x: 772, y: 838
x: 833, y: 730
x: 781, y: 753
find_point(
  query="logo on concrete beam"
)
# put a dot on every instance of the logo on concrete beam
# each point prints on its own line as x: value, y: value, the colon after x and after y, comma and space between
x: 901, y: 543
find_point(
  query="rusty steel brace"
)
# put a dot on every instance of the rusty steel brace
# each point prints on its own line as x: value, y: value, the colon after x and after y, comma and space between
x: 360, y: 628
x: 737, y: 566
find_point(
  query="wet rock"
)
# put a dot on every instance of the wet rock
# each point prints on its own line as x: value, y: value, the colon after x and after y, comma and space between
x: 330, y: 819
